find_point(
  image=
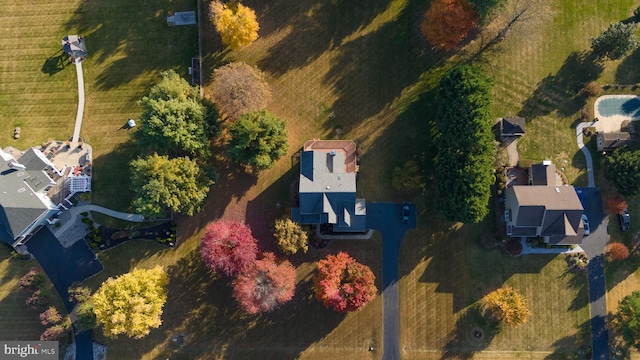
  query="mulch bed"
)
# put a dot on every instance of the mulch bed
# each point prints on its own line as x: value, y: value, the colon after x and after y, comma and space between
x: 513, y: 246
x: 164, y: 233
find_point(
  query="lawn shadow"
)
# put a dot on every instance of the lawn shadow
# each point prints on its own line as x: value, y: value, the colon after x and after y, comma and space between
x: 55, y: 63
x: 628, y: 71
x: 574, y: 346
x: 561, y: 92
x: 130, y: 39
x: 371, y: 71
x: 107, y: 179
x: 474, y: 331
x: 272, y: 203
x: 577, y: 281
x: 314, y: 32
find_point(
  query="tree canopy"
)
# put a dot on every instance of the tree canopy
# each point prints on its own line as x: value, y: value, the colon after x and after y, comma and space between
x: 160, y: 183
x: 290, y: 236
x: 265, y: 284
x: 236, y: 24
x: 228, y: 247
x: 616, y: 41
x: 627, y: 319
x: 258, y: 139
x: 343, y: 284
x: 447, y: 22
x: 464, y: 171
x: 485, y: 8
x: 621, y: 168
x: 238, y: 88
x: 131, y: 304
x: 507, y: 306
x: 173, y: 119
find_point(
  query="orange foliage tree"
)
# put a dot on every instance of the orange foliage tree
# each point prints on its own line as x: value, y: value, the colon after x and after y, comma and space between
x: 343, y: 284
x: 447, y: 22
x: 507, y: 306
x: 617, y: 251
x: 617, y: 205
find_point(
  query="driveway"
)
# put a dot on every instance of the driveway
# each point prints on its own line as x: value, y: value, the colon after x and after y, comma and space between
x: 594, y: 245
x: 385, y: 217
x: 64, y: 266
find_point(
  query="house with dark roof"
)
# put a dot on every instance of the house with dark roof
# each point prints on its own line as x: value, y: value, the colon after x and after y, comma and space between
x: 612, y: 140
x: 511, y: 128
x: 544, y: 209
x: 24, y: 205
x: 327, y: 190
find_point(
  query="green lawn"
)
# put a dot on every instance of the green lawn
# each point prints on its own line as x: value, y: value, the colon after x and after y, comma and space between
x: 367, y: 64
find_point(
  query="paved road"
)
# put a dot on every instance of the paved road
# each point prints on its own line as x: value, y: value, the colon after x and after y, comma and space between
x: 385, y: 217
x: 80, y: 113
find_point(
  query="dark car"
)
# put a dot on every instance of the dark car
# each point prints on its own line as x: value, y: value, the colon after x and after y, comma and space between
x: 404, y: 215
x: 625, y: 220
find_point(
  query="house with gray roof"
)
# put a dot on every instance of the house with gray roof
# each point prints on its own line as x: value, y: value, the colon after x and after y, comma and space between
x: 24, y: 205
x: 544, y: 209
x: 609, y: 141
x: 327, y: 190
x: 512, y: 128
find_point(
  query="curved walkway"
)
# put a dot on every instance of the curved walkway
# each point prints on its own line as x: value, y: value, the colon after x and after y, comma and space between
x: 76, y: 130
x: 585, y: 151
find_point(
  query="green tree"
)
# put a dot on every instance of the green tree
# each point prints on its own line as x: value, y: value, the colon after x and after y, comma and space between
x: 159, y: 183
x: 290, y: 236
x: 258, y: 139
x: 131, y: 304
x: 627, y: 319
x: 464, y: 171
x: 173, y: 119
x: 616, y: 41
x: 236, y: 24
x: 621, y: 168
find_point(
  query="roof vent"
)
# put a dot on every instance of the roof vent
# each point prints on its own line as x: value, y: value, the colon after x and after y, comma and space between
x: 328, y: 187
x: 332, y: 152
x: 20, y: 174
x: 21, y: 190
x: 557, y: 190
x: 546, y: 162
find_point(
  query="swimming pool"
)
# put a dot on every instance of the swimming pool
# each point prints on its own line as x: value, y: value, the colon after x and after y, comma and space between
x: 620, y: 105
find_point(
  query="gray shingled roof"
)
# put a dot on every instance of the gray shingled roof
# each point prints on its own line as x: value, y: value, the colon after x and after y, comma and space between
x: 542, y: 174
x: 512, y: 126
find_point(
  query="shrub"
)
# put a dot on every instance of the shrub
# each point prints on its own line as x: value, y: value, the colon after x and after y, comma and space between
x: 616, y: 205
x: 592, y: 89
x: 79, y: 294
x: 617, y: 251
x: 40, y: 298
x: 507, y: 306
x: 54, y: 333
x: 51, y: 316
x: 85, y: 316
x: 32, y: 280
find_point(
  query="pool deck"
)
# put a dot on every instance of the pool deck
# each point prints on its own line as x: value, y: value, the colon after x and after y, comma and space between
x: 609, y: 124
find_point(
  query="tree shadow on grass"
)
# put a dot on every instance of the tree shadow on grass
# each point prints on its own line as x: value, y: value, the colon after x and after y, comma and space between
x: 628, y: 71
x: 133, y: 38
x: 474, y: 331
x: 110, y: 178
x: 561, y: 92
x: 323, y: 27
x: 577, y: 281
x: 573, y: 346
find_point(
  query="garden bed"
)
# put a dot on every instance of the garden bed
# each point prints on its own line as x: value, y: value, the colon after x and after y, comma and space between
x: 103, y: 237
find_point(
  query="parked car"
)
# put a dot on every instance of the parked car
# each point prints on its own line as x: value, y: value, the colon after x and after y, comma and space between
x: 404, y: 215
x: 625, y: 220
x: 585, y: 223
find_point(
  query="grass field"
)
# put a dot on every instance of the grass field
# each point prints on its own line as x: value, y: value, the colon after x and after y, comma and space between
x: 366, y: 63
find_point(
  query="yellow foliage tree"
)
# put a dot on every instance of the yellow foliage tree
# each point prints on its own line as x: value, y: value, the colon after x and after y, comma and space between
x: 236, y: 24
x: 507, y: 306
x: 290, y: 236
x: 131, y: 304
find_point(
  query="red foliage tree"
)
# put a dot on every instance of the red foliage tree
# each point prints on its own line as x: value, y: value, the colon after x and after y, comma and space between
x: 51, y: 316
x: 617, y: 205
x: 343, y: 284
x: 228, y: 247
x: 617, y: 251
x: 54, y: 333
x: 265, y: 285
x: 447, y: 22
